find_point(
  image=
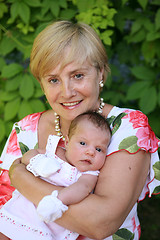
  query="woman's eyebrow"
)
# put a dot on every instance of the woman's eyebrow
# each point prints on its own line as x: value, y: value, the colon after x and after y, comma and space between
x: 70, y: 72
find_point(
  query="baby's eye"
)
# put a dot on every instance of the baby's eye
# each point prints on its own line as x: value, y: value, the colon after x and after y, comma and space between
x: 78, y: 76
x: 82, y: 143
x: 98, y: 149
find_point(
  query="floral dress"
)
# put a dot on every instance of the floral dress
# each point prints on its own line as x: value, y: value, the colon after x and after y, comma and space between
x: 130, y: 132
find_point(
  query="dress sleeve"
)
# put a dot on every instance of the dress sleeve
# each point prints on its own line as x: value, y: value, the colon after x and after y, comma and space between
x: 22, y: 138
x: 131, y: 132
x: 10, y: 152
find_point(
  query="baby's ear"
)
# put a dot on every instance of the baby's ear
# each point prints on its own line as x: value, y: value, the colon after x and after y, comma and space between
x: 66, y: 141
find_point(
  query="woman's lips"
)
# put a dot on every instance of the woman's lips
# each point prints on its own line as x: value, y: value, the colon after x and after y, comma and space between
x: 71, y: 105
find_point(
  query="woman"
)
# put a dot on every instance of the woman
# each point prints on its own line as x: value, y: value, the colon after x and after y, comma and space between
x: 70, y: 63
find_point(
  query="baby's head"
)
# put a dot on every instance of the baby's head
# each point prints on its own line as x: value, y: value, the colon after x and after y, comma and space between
x: 88, y: 138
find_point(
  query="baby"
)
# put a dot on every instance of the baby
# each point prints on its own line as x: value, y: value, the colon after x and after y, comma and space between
x: 76, y: 168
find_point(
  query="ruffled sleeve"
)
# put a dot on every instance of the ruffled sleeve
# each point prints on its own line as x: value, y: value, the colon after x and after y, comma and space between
x: 132, y: 132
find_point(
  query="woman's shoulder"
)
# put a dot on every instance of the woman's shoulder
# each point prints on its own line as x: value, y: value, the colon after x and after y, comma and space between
x: 34, y: 117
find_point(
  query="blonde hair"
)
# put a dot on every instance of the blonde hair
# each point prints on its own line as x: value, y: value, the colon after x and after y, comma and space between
x: 50, y: 45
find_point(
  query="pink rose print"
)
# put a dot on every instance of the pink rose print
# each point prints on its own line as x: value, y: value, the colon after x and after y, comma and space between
x: 137, y: 118
x: 13, y: 146
x: 147, y: 139
x: 145, y: 135
x: 30, y: 122
x: 5, y: 189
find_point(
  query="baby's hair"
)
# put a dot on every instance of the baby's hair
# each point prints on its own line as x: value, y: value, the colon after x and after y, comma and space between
x: 98, y: 120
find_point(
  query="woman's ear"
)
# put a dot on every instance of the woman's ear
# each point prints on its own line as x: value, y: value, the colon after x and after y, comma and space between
x: 66, y: 141
x: 101, y: 74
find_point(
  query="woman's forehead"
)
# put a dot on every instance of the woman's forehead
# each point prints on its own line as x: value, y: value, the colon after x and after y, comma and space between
x: 70, y: 67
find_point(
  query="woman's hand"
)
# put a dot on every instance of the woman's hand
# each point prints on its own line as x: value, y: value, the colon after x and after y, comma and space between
x: 31, y: 187
x: 16, y: 164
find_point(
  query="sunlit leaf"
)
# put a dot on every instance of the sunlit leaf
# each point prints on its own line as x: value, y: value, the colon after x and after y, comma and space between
x: 2, y: 130
x: 24, y: 12
x: 143, y: 73
x: 26, y: 87
x: 7, y: 96
x: 37, y: 105
x: 11, y: 70
x: 148, y: 100
x: 11, y: 109
x: 25, y: 109
x: 143, y: 3
x: 136, y: 89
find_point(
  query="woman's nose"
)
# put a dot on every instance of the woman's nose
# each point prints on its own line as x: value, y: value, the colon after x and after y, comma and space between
x: 67, y: 89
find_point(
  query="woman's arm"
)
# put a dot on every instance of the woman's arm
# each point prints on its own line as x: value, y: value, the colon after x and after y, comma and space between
x: 33, y: 188
x: 101, y: 214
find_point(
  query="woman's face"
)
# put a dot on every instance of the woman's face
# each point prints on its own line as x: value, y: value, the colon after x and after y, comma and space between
x: 72, y: 90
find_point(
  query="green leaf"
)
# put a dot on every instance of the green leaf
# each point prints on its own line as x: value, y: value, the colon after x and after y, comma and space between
x: 7, y: 96
x: 14, y: 11
x: 2, y: 130
x: 25, y: 109
x: 24, y: 12
x: 37, y: 105
x: 84, y: 5
x: 2, y: 63
x: 110, y: 120
x: 159, y: 98
x: 130, y: 144
x: 149, y: 50
x: 156, y: 168
x: 33, y: 3
x: 38, y: 93
x: 143, y: 3
x: 67, y: 14
x: 156, y: 190
x: 55, y: 8
x: 11, y: 109
x: 11, y: 70
x: 143, y: 73
x: 137, y: 37
x: 63, y: 3
x: 23, y: 148
x: 136, y: 27
x: 151, y: 36
x: 157, y: 20
x: 45, y: 7
x: 123, y: 234
x: 6, y: 45
x: 13, y: 84
x: 26, y: 87
x: 1, y: 107
x: 17, y: 130
x: 3, y: 9
x: 148, y: 100
x: 117, y: 122
x: 135, y: 90
x: 124, y: 2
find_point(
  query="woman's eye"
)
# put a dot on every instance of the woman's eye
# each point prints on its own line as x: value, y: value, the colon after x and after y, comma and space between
x: 53, y: 80
x: 78, y: 76
x: 98, y: 149
x: 83, y: 143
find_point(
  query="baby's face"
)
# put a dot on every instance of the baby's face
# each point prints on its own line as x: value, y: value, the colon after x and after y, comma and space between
x: 87, y: 147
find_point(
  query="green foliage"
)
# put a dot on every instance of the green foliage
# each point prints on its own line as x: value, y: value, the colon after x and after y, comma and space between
x: 123, y: 234
x: 129, y: 29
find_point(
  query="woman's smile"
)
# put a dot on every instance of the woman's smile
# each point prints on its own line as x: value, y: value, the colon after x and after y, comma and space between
x: 71, y: 105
